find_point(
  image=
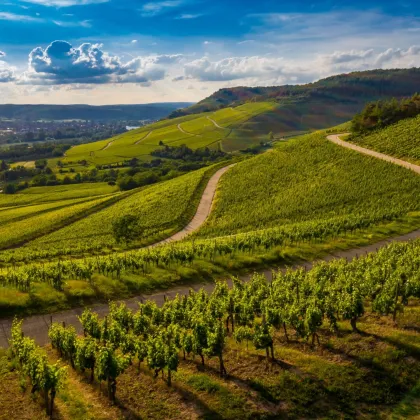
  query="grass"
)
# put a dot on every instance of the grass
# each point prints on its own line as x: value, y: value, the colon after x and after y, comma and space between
x: 368, y: 375
x: 44, y: 298
x: 400, y: 140
x: 39, y: 195
x: 163, y: 208
x: 195, y: 131
x: 308, y: 179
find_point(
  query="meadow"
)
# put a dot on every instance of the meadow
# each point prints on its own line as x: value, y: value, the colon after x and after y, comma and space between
x: 400, y: 140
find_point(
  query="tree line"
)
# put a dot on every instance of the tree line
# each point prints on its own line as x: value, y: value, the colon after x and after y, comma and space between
x: 380, y: 114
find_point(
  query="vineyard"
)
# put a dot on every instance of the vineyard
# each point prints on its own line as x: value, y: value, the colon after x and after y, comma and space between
x: 194, y: 131
x: 308, y: 180
x: 399, y: 140
x: 304, y: 342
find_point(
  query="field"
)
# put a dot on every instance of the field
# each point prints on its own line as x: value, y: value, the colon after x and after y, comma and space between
x: 338, y: 341
x: 163, y: 208
x: 308, y: 180
x: 400, y: 140
x: 195, y: 131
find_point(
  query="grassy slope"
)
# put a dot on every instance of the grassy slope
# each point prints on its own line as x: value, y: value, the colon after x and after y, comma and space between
x: 400, y: 140
x: 308, y: 179
x: 162, y: 209
x: 195, y: 131
x: 369, y: 375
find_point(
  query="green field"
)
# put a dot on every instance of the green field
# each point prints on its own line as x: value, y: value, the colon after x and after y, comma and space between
x: 307, y: 180
x: 400, y: 140
x: 162, y: 208
x: 195, y: 131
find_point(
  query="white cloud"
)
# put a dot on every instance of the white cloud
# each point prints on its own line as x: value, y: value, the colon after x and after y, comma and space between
x: 61, y: 63
x: 189, y: 16
x: 18, y: 18
x: 65, y: 3
x: 155, y: 8
x: 7, y: 73
x: 134, y: 41
x: 349, y: 56
x: 64, y: 24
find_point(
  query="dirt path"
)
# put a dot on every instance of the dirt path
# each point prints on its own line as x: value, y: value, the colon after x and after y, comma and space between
x: 336, y: 139
x: 144, y: 138
x: 215, y: 123
x: 108, y: 145
x: 37, y: 326
x: 187, y: 132
x: 203, y: 210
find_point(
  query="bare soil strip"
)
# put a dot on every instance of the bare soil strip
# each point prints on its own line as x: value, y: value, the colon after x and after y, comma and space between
x: 336, y: 139
x: 144, y: 138
x: 215, y: 123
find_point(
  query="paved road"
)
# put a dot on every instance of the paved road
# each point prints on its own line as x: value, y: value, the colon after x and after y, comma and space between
x: 336, y: 139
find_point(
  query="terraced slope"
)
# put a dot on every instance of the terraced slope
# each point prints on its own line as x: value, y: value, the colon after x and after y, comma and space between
x: 310, y: 180
x: 195, y: 131
x: 400, y: 140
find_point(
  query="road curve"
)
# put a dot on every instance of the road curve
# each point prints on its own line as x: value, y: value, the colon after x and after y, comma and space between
x: 336, y: 139
x: 108, y: 145
x: 215, y: 123
x: 187, y: 132
x: 37, y: 326
x: 203, y: 209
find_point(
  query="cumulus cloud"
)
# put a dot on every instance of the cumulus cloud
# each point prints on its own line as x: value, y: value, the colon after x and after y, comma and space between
x: 2, y: 54
x: 393, y: 54
x: 65, y: 3
x: 7, y: 73
x: 348, y: 56
x: 232, y: 68
x: 61, y: 63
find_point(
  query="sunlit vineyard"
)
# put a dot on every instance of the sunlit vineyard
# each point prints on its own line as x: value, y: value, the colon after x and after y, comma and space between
x: 195, y: 131
x: 309, y: 179
x: 400, y: 140
x: 292, y: 317
x: 162, y: 209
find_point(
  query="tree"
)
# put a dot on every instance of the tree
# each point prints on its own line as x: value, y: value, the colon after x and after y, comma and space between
x: 41, y: 163
x: 4, y: 166
x: 126, y: 228
x: 10, y: 189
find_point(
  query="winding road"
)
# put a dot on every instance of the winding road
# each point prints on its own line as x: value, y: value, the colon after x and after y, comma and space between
x: 336, y: 139
x: 37, y: 326
x: 108, y: 145
x: 215, y: 123
x: 144, y: 138
x: 187, y: 132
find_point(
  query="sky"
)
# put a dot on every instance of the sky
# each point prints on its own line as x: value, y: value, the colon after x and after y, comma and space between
x: 134, y: 51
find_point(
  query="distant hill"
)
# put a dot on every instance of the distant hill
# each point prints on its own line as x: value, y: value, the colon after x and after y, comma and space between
x: 153, y: 111
x: 316, y: 105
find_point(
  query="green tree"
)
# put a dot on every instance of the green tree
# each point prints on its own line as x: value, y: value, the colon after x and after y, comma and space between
x: 126, y: 228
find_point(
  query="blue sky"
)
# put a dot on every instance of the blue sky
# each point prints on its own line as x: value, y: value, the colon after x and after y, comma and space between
x: 132, y: 51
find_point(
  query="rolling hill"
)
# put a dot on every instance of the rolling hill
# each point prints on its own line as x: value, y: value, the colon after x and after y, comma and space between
x: 221, y: 129
x: 317, y: 105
